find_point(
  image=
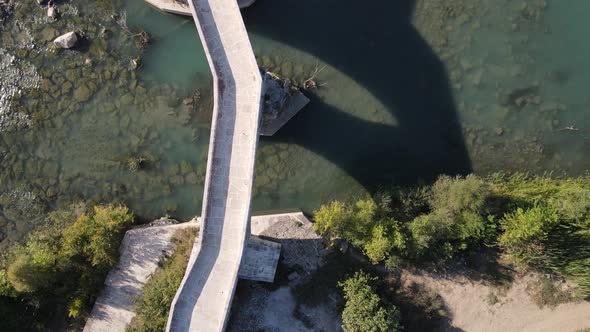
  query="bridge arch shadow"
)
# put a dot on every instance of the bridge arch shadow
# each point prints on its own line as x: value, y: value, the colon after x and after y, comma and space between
x: 375, y: 44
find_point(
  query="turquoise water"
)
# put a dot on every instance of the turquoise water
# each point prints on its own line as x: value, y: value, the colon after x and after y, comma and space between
x: 177, y: 56
x: 408, y: 91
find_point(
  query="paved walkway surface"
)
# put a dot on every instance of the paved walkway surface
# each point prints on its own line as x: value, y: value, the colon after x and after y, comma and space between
x: 140, y: 252
x: 143, y: 248
x: 204, y: 297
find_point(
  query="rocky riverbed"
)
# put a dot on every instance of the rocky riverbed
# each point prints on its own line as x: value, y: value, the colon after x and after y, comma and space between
x: 514, y: 99
x: 79, y: 124
x: 106, y: 121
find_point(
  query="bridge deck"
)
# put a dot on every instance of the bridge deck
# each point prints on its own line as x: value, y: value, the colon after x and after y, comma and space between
x: 204, y: 297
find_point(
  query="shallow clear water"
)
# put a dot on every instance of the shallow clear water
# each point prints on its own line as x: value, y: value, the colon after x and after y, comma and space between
x: 408, y: 91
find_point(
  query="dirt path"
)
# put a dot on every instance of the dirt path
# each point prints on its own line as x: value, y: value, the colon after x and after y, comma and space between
x: 515, y: 311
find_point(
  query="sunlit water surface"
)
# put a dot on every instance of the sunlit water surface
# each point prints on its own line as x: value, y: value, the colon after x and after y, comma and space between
x: 405, y: 93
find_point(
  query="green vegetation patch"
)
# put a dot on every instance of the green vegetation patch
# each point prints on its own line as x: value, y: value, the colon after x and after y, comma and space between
x: 63, y: 264
x: 364, y: 309
x: 538, y: 222
x: 153, y: 306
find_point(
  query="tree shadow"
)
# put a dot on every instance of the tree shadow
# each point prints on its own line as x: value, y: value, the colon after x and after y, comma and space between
x: 375, y: 44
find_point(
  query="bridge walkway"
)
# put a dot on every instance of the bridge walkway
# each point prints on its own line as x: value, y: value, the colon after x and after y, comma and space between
x: 203, y: 300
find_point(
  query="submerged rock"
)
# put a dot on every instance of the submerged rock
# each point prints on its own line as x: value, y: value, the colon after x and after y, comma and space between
x: 191, y: 178
x: 127, y: 99
x: 51, y: 12
x: 48, y: 34
x: 521, y: 97
x: 82, y: 93
x: 67, y: 40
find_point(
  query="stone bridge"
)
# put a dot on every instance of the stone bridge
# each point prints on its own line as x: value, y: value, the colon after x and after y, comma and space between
x: 203, y: 300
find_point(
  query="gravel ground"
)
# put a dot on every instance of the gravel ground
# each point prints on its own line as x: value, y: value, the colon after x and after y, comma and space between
x: 273, y: 307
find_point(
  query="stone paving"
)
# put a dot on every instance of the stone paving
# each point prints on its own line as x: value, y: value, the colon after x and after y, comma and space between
x: 140, y: 252
x: 143, y: 248
x: 204, y: 297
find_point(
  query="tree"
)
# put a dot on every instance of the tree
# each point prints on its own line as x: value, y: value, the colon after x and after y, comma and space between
x: 364, y: 311
x: 68, y: 257
x: 331, y: 219
x: 26, y: 276
x: 457, y: 219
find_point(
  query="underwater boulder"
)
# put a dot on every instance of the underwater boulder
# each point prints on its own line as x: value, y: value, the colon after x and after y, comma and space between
x: 67, y: 40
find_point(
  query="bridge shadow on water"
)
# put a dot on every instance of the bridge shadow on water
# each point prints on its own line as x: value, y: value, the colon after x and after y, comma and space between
x: 375, y: 44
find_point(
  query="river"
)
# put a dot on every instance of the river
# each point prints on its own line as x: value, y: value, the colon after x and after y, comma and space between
x: 407, y: 91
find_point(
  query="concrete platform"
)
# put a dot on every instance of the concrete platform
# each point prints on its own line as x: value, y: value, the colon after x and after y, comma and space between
x: 260, y: 260
x: 143, y: 248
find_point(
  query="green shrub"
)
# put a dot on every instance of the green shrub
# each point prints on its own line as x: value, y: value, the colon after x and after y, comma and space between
x: 540, y: 222
x: 409, y: 203
x: 97, y: 237
x: 525, y: 232
x: 426, y: 230
x: 6, y: 288
x: 456, y: 195
x: 75, y: 307
x: 25, y: 276
x: 386, y: 239
x: 549, y: 226
x: 364, y: 223
x: 571, y: 204
x: 364, y: 310
x: 457, y: 220
x: 331, y: 220
x: 67, y: 259
x: 153, y: 306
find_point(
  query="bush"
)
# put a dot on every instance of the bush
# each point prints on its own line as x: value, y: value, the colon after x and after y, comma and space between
x: 456, y: 195
x: 96, y: 238
x: 67, y: 259
x: 25, y: 276
x: 457, y: 220
x: 444, y: 219
x: 364, y: 223
x: 549, y: 230
x: 540, y: 222
x: 426, y: 231
x: 525, y: 232
x: 6, y: 288
x: 364, y: 311
x: 331, y: 220
x: 380, y: 245
x: 153, y: 306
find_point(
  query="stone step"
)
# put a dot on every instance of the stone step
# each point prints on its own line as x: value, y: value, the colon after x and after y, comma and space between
x: 260, y: 260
